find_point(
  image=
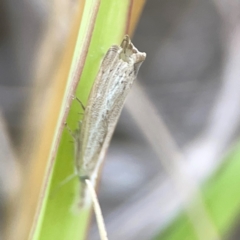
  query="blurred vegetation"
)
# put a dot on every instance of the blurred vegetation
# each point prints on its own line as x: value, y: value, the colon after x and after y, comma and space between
x: 222, y: 200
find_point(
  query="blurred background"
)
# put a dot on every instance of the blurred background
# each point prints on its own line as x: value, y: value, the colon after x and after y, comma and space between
x: 178, y: 126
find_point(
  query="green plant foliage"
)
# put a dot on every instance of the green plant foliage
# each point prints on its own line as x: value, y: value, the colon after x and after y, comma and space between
x: 222, y: 199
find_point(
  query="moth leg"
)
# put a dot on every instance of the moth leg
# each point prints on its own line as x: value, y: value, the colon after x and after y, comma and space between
x: 83, y: 107
x: 70, y: 131
x: 74, y: 135
x: 62, y: 183
x: 78, y: 130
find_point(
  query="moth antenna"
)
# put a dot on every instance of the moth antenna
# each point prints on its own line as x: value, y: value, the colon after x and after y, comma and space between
x: 97, y: 210
x: 70, y: 131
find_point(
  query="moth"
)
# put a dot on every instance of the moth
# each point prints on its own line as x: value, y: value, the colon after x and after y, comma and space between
x: 114, y: 80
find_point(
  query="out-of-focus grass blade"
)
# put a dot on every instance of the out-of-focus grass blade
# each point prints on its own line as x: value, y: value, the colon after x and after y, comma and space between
x: 222, y: 198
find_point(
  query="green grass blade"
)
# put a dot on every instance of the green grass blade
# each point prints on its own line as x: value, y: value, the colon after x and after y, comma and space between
x: 58, y: 218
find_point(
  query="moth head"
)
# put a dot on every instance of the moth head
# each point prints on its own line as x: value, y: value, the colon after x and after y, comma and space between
x: 127, y: 49
x: 130, y: 54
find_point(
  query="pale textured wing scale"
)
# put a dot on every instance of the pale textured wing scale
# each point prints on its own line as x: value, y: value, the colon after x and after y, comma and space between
x: 116, y: 75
